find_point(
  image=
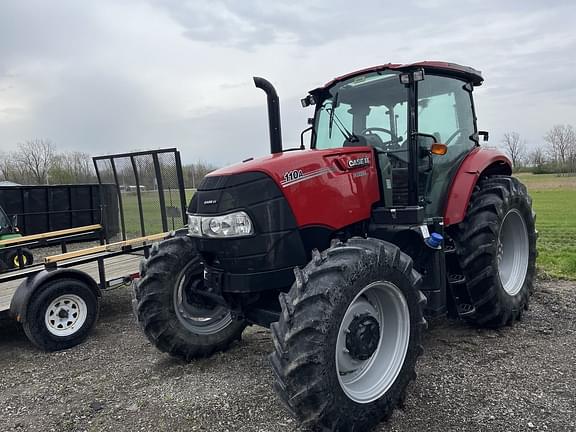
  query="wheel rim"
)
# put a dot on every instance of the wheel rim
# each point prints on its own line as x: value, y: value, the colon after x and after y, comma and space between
x: 17, y: 261
x: 66, y: 315
x: 205, y: 319
x: 513, y: 252
x: 367, y: 371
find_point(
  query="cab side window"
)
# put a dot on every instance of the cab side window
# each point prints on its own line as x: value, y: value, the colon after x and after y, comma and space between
x: 445, y: 111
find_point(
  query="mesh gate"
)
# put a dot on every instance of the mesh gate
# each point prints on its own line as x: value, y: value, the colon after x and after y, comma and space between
x: 151, y: 194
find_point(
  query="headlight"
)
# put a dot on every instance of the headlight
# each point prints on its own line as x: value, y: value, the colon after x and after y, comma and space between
x: 236, y: 224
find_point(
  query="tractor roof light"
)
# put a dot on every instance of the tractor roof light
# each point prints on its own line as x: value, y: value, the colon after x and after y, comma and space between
x: 307, y: 101
x: 409, y: 77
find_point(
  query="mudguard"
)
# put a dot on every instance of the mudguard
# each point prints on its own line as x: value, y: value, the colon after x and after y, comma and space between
x: 480, y: 161
x: 22, y: 296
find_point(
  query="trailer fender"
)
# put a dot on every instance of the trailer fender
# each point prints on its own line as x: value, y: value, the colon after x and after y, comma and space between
x: 32, y: 284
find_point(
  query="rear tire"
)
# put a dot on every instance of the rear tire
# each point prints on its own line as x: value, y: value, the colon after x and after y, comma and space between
x: 496, y: 247
x: 162, y: 309
x: 329, y: 379
x: 61, y: 314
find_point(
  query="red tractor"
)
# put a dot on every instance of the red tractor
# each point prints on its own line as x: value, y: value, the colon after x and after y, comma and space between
x: 394, y: 214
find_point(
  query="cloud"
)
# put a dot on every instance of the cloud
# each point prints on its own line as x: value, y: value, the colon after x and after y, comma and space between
x: 113, y: 76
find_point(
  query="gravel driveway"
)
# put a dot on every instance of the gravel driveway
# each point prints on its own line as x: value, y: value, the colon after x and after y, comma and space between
x: 520, y: 378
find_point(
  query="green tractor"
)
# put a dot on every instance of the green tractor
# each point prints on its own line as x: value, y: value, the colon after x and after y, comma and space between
x: 10, y: 259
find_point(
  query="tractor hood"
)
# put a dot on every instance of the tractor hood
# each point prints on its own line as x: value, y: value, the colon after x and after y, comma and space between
x: 313, y: 182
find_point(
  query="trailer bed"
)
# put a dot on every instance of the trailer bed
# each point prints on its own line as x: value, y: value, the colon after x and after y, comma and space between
x: 116, y: 267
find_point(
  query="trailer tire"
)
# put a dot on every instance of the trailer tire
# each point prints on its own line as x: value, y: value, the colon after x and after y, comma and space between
x: 61, y: 314
x: 496, y: 247
x: 332, y: 369
x: 158, y: 300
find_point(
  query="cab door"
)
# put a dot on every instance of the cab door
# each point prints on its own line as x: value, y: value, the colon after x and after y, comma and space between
x: 445, y: 110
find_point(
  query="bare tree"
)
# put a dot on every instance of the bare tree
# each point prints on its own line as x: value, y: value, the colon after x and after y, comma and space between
x: 6, y: 166
x: 536, y: 157
x: 515, y: 147
x: 35, y: 157
x: 562, y: 144
x: 195, y: 172
x: 72, y: 167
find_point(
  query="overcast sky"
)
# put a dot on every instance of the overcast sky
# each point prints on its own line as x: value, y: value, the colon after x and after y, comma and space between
x: 117, y: 75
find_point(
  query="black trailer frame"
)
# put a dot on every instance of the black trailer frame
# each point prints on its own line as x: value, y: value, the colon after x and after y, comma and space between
x: 112, y: 160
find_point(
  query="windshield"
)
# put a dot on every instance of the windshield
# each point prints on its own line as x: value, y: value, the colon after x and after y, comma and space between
x: 373, y: 105
x: 5, y: 223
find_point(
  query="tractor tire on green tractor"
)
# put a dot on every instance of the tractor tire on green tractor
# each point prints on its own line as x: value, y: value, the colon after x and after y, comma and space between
x: 13, y: 260
x: 172, y: 319
x: 349, y: 335
x: 496, y: 247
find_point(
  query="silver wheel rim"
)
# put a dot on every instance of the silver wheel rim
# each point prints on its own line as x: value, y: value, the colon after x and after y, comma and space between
x: 65, y: 315
x: 199, y: 320
x: 364, y: 381
x: 513, y: 252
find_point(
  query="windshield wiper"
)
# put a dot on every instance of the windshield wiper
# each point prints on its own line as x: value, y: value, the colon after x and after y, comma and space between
x: 347, y: 134
x: 332, y: 113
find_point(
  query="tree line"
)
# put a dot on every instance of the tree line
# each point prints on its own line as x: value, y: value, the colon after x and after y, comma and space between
x: 556, y: 155
x: 37, y: 162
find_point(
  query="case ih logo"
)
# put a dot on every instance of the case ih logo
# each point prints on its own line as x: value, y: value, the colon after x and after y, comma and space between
x: 360, y: 162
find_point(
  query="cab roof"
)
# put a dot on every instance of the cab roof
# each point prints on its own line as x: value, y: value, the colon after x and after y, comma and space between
x: 451, y: 69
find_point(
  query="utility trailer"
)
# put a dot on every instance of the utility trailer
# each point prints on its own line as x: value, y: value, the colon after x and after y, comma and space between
x: 57, y: 302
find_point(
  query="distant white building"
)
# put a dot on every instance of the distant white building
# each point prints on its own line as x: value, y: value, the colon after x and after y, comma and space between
x: 132, y: 188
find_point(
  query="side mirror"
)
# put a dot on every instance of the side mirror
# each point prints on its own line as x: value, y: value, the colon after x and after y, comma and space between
x: 311, y: 128
x: 14, y: 221
x: 484, y: 135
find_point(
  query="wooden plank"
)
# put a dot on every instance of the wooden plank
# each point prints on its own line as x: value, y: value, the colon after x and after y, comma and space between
x: 50, y: 234
x: 104, y: 248
x: 116, y: 267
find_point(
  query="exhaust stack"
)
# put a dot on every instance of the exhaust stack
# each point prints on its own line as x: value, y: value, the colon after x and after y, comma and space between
x: 273, y: 114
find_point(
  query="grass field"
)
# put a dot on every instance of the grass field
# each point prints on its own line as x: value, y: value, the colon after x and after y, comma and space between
x: 151, y: 210
x: 554, y: 200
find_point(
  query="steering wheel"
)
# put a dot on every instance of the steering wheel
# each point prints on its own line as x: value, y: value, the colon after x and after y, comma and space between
x: 454, y: 135
x: 370, y: 130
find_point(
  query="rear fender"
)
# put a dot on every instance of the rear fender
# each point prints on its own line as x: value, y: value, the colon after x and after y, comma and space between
x: 480, y: 162
x: 34, y: 283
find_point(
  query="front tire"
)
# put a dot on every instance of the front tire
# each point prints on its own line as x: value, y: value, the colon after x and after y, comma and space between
x: 175, y: 323
x: 348, y: 336
x: 496, y: 247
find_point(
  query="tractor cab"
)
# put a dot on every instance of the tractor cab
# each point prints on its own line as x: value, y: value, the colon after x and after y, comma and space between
x: 420, y: 124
